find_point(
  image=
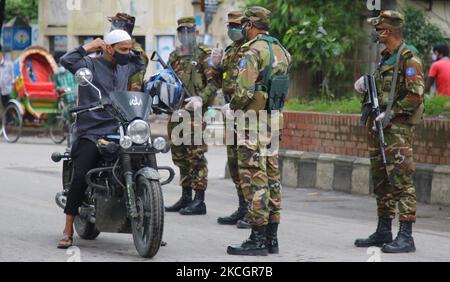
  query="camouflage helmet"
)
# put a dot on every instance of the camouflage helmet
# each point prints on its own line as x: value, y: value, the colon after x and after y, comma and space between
x: 235, y: 17
x: 122, y: 21
x: 188, y: 22
x: 257, y: 15
x: 389, y: 18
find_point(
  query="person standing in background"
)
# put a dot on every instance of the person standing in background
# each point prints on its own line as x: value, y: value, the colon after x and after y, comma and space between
x: 440, y: 70
x: 6, y: 78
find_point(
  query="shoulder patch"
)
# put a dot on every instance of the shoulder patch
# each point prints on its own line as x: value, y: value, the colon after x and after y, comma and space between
x: 243, y: 63
x: 410, y: 72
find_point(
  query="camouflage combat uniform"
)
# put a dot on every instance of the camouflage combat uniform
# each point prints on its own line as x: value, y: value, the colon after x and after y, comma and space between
x: 393, y: 182
x: 259, y: 175
x: 230, y: 72
x: 197, y: 74
x: 136, y: 82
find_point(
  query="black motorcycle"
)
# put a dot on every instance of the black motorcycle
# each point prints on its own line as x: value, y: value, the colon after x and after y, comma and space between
x: 124, y: 191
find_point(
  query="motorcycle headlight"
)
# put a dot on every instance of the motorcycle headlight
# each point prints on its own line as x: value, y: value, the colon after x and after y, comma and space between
x: 139, y: 132
x: 159, y: 144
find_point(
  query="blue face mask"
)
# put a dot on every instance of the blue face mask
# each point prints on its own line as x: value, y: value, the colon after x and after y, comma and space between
x: 235, y: 34
x: 434, y: 57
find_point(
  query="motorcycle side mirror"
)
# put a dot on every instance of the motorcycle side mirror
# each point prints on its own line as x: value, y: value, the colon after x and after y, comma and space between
x: 84, y: 77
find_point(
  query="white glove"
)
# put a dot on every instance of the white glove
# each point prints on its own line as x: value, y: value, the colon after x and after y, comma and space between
x: 359, y: 85
x: 194, y: 103
x: 379, y: 118
x: 225, y: 108
x: 227, y: 112
x: 216, y: 57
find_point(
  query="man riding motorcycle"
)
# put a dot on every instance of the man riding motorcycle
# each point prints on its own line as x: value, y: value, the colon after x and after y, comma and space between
x: 111, y: 72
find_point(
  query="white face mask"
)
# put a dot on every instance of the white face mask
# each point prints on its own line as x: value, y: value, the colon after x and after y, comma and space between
x: 434, y: 57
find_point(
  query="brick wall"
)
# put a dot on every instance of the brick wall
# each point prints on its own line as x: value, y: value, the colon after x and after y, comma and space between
x: 342, y: 135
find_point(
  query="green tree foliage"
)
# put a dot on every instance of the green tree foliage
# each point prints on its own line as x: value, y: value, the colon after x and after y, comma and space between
x: 23, y: 8
x: 420, y: 32
x: 320, y: 34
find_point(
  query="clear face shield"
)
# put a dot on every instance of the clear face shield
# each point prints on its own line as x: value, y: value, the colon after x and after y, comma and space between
x: 122, y: 25
x: 186, y: 40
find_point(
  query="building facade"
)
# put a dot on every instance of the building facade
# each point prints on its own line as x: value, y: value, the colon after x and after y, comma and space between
x: 65, y: 24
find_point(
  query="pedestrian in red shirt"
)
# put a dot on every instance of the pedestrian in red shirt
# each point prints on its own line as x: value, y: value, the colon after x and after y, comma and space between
x: 440, y: 70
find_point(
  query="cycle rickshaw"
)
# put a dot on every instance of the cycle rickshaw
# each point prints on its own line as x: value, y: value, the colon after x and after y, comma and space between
x: 35, y: 100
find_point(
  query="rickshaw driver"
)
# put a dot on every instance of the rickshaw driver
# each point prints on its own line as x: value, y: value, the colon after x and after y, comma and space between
x: 111, y: 73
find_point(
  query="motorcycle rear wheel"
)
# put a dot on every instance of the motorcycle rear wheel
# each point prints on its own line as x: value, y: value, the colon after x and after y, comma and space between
x: 85, y: 229
x: 148, y: 227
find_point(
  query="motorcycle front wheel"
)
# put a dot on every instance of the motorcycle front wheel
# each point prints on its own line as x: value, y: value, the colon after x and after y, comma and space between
x: 149, y: 225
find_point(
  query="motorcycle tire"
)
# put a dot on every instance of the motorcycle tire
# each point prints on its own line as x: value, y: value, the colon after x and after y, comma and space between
x: 148, y: 227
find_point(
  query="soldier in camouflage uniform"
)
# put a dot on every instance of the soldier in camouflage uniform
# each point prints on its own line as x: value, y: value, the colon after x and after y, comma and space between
x: 191, y: 64
x: 227, y: 73
x: 263, y: 195
x: 393, y: 183
x: 126, y: 22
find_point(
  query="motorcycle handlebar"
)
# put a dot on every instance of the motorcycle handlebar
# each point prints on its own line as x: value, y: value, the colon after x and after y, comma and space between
x: 82, y: 109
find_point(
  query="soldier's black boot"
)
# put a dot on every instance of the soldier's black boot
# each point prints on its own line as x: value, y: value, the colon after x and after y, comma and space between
x: 382, y: 236
x: 184, y: 201
x: 237, y: 215
x: 196, y: 207
x: 243, y: 223
x: 272, y: 238
x: 254, y: 246
x: 404, y: 243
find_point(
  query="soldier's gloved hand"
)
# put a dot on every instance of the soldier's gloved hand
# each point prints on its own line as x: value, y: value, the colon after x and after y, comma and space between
x: 194, y: 103
x: 360, y: 87
x: 379, y: 118
x: 216, y: 57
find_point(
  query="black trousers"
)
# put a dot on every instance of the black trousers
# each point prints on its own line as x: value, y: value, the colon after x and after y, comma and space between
x: 85, y: 156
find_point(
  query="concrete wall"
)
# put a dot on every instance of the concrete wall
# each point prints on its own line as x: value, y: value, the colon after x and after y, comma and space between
x: 153, y: 18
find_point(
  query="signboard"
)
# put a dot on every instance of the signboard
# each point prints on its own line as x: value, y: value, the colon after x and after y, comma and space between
x: 7, y: 38
x: 61, y: 43
x: 165, y: 44
x: 21, y: 38
x: 16, y: 38
x: 35, y: 35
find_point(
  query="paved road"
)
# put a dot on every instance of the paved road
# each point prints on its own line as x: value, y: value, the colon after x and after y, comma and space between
x: 317, y: 225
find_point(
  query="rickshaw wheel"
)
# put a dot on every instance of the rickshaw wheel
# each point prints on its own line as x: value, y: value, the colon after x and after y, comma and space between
x: 58, y: 130
x: 12, y: 124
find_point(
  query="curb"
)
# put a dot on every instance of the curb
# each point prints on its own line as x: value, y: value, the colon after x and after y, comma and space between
x: 352, y: 175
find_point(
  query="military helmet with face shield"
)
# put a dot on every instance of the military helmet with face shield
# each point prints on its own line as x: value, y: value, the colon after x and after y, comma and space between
x: 165, y: 90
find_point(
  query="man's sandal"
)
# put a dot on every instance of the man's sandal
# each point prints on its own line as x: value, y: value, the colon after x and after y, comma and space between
x: 65, y: 242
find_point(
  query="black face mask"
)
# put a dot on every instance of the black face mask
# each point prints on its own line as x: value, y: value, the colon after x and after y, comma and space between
x: 375, y: 37
x: 122, y: 59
